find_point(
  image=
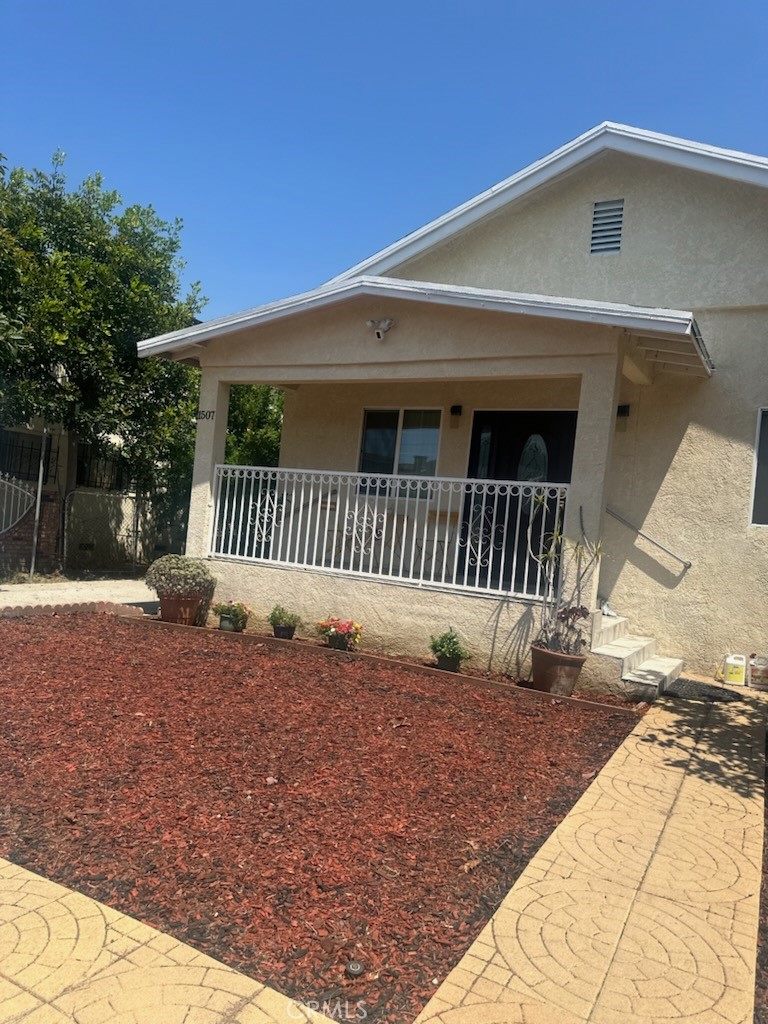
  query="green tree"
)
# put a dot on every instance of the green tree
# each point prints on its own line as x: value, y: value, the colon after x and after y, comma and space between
x: 254, y: 425
x: 83, y: 278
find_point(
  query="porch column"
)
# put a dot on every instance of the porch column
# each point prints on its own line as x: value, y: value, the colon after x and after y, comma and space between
x: 209, y: 450
x: 595, y: 429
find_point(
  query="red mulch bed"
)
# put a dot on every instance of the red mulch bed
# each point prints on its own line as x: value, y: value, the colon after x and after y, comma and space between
x: 139, y: 767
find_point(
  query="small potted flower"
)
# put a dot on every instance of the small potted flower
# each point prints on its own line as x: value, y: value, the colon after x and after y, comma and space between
x: 185, y: 587
x: 449, y: 651
x: 283, y: 622
x: 340, y: 634
x: 233, y: 615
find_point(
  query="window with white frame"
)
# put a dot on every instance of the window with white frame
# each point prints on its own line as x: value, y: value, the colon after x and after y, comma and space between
x: 760, y: 490
x: 401, y: 441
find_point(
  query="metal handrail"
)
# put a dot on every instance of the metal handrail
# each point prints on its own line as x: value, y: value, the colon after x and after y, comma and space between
x: 641, y: 533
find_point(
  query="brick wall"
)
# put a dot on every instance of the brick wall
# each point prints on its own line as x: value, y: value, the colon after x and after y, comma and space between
x: 16, y: 544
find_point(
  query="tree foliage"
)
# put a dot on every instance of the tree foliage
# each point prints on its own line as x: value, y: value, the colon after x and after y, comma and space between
x: 254, y: 425
x: 83, y: 278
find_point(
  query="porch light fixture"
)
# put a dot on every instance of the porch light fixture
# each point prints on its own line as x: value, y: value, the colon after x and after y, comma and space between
x: 380, y: 326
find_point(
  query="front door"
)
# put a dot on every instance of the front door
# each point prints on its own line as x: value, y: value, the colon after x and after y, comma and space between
x: 502, y: 532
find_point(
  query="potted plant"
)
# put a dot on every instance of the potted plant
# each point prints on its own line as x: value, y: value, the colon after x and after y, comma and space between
x: 341, y: 634
x: 233, y: 615
x: 557, y: 652
x: 449, y: 651
x: 283, y: 622
x: 185, y: 587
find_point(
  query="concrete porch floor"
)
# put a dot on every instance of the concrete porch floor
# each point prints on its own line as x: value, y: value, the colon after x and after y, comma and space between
x: 641, y: 906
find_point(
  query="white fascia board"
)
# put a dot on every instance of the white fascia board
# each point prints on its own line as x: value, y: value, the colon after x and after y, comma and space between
x: 608, y: 136
x: 634, y: 319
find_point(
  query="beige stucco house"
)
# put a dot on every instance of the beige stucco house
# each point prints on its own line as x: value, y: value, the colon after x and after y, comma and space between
x: 580, y: 349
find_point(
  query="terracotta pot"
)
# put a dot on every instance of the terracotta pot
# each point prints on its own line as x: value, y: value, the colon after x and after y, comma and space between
x: 182, y: 610
x: 448, y: 662
x: 555, y: 672
x: 284, y: 632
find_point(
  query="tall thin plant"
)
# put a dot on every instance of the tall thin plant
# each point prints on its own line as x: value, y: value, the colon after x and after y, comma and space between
x: 566, y: 566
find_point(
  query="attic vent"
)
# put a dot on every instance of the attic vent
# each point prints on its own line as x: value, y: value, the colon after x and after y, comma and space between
x: 607, y: 218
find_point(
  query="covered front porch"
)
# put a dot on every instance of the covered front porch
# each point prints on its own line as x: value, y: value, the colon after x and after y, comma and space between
x: 449, y: 451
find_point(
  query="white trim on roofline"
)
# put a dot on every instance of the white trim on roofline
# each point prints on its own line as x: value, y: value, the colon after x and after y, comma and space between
x: 620, y: 138
x: 671, y: 323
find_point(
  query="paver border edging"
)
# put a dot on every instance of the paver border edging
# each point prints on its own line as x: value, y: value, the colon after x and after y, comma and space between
x: 486, y: 684
x: 126, y: 611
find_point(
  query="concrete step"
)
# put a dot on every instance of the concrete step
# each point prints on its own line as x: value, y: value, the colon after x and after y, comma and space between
x: 656, y: 671
x: 609, y: 628
x: 631, y: 651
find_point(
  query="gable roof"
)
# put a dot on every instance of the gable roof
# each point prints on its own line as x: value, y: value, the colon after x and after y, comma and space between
x: 606, y: 137
x: 644, y: 321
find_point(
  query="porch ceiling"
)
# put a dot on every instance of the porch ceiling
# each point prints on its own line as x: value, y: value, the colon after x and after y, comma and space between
x: 669, y: 338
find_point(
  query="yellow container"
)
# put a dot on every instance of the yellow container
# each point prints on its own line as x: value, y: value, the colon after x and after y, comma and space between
x: 736, y: 669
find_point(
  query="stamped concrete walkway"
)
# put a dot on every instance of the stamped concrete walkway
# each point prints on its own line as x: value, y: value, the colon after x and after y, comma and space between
x: 641, y: 907
x: 64, y: 957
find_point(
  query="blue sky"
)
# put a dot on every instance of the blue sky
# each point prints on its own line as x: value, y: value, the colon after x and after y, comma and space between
x: 296, y: 138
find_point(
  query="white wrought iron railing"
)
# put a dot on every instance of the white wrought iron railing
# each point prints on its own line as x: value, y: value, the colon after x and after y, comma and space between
x: 479, y: 535
x: 16, y: 499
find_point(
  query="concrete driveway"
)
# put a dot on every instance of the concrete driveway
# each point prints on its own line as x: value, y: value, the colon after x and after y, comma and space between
x: 118, y: 591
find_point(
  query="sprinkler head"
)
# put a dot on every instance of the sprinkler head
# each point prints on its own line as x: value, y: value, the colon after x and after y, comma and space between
x: 354, y: 969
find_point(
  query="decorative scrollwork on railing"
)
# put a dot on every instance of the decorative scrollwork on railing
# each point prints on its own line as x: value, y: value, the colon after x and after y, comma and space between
x: 482, y: 537
x: 365, y: 528
x: 268, y: 509
x: 465, y: 534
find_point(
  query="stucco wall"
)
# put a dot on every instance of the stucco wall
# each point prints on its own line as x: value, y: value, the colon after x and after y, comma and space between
x: 689, y: 240
x: 312, y: 438
x: 683, y: 461
x: 428, y: 341
x: 682, y: 469
x: 396, y: 619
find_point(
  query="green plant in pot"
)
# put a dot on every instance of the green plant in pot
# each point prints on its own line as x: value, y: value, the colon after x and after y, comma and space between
x: 185, y: 587
x: 557, y: 652
x: 449, y: 651
x: 283, y: 622
x: 233, y: 615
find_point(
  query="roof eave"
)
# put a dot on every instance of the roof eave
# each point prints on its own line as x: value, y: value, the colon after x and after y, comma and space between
x: 633, y: 319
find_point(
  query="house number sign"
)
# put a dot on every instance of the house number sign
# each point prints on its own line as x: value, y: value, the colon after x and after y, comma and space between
x: 206, y: 414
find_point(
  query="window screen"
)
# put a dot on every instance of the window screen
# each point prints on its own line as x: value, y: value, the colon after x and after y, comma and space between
x: 418, y: 442
x: 403, y: 441
x: 377, y: 454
